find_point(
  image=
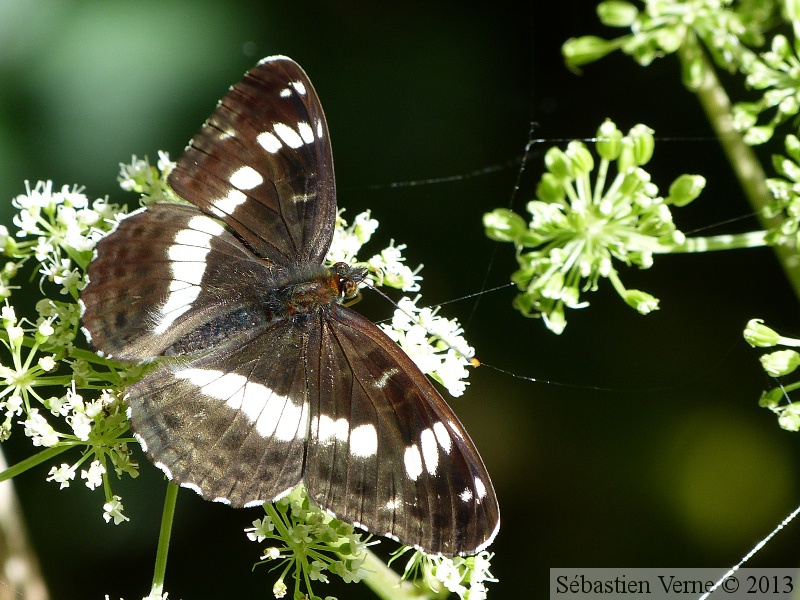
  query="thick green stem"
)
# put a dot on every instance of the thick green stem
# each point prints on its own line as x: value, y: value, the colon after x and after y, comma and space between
x: 34, y: 460
x: 746, y: 166
x: 386, y: 583
x: 163, y: 541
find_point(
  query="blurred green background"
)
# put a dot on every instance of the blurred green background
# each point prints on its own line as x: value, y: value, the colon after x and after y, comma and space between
x: 654, y: 453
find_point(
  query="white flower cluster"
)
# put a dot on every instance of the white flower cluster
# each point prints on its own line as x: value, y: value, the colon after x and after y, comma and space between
x: 348, y: 239
x: 465, y: 576
x: 36, y: 352
x: 434, y: 343
x: 386, y: 268
x: 462, y: 575
x: 66, y: 226
x: 151, y: 181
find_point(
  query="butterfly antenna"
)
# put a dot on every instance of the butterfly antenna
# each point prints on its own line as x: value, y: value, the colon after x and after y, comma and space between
x: 475, y: 294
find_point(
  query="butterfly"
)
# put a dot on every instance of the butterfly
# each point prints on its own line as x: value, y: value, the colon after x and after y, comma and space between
x: 263, y: 378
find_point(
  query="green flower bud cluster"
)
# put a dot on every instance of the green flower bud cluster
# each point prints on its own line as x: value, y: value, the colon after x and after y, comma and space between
x: 785, y: 192
x: 778, y: 73
x: 777, y: 364
x: 578, y: 227
x: 663, y: 27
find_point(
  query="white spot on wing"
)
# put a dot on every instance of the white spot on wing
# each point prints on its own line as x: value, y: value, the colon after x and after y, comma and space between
x: 180, y: 299
x: 305, y: 132
x: 272, y: 413
x: 364, y: 441
x: 269, y: 142
x: 229, y: 203
x: 246, y: 178
x: 293, y: 423
x: 328, y: 429
x: 206, y: 225
x: 139, y: 438
x: 289, y: 136
x: 442, y: 436
x: 285, y: 93
x: 186, y: 254
x: 191, y: 238
x: 165, y: 469
x: 455, y: 430
x: 299, y: 87
x: 381, y: 382
x: 188, y: 265
x: 480, y: 488
x: 413, y: 462
x: 187, y: 271
x: 466, y: 495
x: 168, y: 313
x: 430, y: 450
x: 199, y: 377
x: 221, y: 500
x: 320, y: 128
x: 303, y: 198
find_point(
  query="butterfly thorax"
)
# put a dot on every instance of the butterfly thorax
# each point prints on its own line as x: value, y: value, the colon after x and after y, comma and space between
x: 315, y: 288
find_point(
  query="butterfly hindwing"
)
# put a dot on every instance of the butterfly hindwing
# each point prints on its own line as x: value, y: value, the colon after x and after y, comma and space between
x: 262, y: 163
x: 385, y: 450
x: 230, y: 424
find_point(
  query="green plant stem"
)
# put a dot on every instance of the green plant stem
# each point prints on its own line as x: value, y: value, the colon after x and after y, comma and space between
x: 163, y: 541
x: 743, y: 160
x: 386, y: 583
x: 751, y: 239
x: 34, y: 460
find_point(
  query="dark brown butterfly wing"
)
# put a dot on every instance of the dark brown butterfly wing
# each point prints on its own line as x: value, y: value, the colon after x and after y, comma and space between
x: 262, y: 163
x: 384, y: 448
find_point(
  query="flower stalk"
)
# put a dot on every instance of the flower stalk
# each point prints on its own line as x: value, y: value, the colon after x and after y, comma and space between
x: 164, y: 535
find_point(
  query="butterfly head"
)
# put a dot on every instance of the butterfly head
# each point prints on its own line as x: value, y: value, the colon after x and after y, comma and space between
x: 347, y: 278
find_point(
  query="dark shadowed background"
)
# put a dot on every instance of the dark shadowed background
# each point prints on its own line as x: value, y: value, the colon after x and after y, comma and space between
x: 655, y: 453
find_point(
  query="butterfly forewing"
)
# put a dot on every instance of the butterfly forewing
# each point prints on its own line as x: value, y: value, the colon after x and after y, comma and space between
x: 163, y: 273
x: 263, y: 380
x: 262, y: 163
